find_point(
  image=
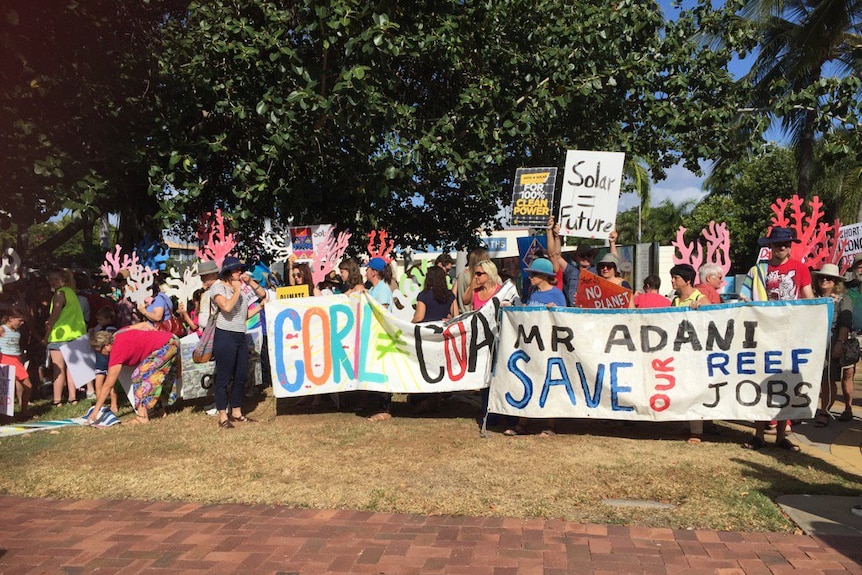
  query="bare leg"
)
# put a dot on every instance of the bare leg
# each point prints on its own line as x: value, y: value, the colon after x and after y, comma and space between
x: 58, y: 374
x: 847, y: 388
x: 24, y: 389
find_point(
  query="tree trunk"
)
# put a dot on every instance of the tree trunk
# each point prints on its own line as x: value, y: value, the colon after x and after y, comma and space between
x: 805, y: 156
x: 43, y: 251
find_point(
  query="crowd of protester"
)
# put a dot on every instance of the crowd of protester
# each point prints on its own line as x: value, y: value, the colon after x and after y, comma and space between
x: 41, y: 313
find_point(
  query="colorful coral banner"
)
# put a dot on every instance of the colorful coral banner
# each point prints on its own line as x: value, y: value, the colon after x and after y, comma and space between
x: 595, y: 292
x: 591, y: 192
x: 754, y: 361
x: 341, y: 343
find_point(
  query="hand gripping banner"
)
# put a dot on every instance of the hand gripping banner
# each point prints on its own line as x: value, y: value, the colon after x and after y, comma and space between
x: 755, y: 362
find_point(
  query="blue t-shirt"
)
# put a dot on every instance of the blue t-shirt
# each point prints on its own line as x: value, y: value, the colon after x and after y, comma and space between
x: 553, y: 295
x: 381, y: 294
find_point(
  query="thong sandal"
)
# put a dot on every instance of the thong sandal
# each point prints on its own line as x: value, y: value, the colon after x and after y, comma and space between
x: 845, y: 416
x: 788, y: 445
x: 754, y: 443
x: 242, y: 419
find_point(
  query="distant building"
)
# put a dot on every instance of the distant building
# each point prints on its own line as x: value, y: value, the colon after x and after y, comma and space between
x: 181, y: 252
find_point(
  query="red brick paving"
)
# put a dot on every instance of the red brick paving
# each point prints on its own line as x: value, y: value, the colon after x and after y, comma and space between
x: 105, y: 537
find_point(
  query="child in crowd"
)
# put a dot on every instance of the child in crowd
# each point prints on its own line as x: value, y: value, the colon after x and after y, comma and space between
x: 105, y: 319
x: 11, y: 355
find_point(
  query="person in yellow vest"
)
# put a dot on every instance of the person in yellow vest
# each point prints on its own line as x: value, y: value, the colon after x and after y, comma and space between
x: 682, y: 278
x: 65, y: 323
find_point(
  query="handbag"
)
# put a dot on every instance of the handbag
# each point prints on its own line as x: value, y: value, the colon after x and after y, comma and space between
x: 204, y: 349
x: 850, y: 354
x: 173, y: 325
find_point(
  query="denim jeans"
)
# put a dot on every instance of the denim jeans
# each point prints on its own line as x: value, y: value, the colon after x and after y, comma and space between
x: 231, y: 356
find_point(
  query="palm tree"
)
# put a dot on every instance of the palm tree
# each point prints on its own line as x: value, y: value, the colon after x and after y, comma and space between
x: 636, y: 171
x: 798, y: 38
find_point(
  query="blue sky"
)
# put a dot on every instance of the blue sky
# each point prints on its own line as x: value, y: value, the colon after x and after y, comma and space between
x: 681, y: 184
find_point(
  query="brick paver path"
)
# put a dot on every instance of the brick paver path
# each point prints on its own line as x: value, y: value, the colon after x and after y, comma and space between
x: 101, y: 537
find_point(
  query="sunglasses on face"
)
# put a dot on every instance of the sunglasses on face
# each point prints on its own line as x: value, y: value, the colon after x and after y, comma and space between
x: 480, y: 273
x: 823, y: 279
x: 606, y: 266
x: 782, y: 245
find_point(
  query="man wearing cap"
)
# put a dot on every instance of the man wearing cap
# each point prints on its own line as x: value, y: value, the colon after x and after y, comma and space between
x: 781, y: 278
x: 379, y: 273
x: 582, y: 260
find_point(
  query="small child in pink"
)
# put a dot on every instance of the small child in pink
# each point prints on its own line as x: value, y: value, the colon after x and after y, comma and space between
x: 10, y: 354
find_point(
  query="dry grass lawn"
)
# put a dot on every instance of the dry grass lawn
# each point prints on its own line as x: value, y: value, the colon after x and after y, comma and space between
x: 427, y: 465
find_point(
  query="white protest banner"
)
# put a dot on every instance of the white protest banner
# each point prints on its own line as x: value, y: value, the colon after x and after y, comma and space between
x: 342, y: 343
x: 755, y: 361
x: 591, y: 192
x: 852, y: 235
x: 7, y: 390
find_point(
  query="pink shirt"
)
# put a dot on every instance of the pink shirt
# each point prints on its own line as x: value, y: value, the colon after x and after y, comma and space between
x: 649, y: 300
x: 133, y: 346
x: 477, y: 302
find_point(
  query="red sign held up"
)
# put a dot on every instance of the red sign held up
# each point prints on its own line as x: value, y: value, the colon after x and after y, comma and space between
x: 595, y: 292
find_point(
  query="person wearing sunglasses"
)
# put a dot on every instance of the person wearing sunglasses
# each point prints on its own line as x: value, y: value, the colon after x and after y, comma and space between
x: 780, y: 278
x: 486, y: 283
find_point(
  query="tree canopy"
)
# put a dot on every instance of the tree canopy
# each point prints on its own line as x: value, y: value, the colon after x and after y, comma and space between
x: 407, y: 116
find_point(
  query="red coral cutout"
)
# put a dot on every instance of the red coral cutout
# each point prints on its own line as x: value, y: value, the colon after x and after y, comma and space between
x: 218, y: 243
x: 385, y: 247
x: 819, y: 241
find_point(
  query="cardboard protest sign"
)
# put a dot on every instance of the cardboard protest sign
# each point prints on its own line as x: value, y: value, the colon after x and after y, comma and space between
x: 80, y: 360
x: 851, y: 237
x: 729, y: 361
x: 591, y: 192
x: 342, y: 343
x: 533, y: 196
x: 595, y: 292
x: 288, y: 292
x: 7, y: 390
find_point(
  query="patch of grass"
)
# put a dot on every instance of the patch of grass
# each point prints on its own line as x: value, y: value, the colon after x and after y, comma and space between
x: 428, y: 465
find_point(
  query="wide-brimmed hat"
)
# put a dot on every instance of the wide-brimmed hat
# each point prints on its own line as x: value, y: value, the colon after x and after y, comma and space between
x: 230, y: 264
x: 541, y: 266
x: 206, y: 268
x: 830, y: 271
x: 778, y: 235
x: 609, y: 259
x: 377, y: 264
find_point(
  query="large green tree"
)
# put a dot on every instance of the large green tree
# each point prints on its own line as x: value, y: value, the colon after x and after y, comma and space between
x: 414, y: 116
x: 77, y: 88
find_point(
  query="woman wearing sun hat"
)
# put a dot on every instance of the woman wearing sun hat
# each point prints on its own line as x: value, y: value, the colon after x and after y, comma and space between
x: 230, y: 349
x: 542, y: 280
x: 828, y: 282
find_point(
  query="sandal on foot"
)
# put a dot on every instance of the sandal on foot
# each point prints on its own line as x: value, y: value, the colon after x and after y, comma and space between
x: 754, y: 443
x: 845, y: 416
x: 382, y: 416
x: 517, y: 430
x: 788, y: 445
x: 824, y: 422
x: 57, y: 403
x: 241, y: 419
x: 695, y: 439
x: 226, y: 424
x: 547, y: 433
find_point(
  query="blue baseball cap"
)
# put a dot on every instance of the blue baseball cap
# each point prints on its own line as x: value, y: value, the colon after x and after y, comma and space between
x: 377, y: 264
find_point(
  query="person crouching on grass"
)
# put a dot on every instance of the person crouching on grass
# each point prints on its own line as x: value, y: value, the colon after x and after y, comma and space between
x: 155, y: 357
